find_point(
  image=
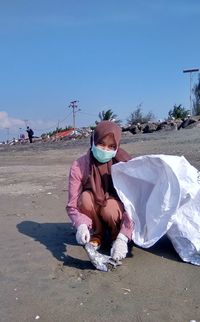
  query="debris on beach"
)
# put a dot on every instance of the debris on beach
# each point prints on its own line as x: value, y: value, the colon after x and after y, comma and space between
x: 126, y: 289
x: 37, y: 317
x: 101, y: 262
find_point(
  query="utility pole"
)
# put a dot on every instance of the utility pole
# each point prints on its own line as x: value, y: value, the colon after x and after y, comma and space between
x: 19, y: 132
x: 190, y: 71
x: 75, y: 109
x: 58, y: 127
x: 7, y: 128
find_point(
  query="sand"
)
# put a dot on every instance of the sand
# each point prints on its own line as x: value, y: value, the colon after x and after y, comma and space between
x: 46, y: 276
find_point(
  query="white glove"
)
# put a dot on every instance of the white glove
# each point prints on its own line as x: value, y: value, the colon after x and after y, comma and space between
x: 119, y: 248
x: 82, y: 234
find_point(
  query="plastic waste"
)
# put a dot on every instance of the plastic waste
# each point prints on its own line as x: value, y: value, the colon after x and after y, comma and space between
x: 101, y: 262
x: 161, y: 194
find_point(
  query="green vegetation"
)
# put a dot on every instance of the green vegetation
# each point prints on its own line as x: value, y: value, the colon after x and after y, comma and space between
x: 137, y: 116
x: 196, y: 101
x: 108, y: 116
x: 178, y: 112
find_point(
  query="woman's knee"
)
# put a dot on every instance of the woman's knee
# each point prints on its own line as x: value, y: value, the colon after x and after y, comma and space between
x: 112, y: 211
x: 86, y: 202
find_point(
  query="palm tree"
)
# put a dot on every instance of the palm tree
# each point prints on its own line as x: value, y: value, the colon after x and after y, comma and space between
x: 178, y: 112
x: 108, y: 116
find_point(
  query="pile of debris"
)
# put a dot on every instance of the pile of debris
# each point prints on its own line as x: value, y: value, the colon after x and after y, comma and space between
x: 68, y: 135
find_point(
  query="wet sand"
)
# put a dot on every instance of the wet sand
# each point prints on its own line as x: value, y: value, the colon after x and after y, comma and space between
x: 46, y: 276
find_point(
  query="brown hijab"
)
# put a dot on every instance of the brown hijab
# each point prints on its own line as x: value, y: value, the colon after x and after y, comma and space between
x: 100, y: 181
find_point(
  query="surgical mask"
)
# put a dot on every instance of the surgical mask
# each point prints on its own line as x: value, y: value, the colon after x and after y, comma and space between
x: 102, y: 155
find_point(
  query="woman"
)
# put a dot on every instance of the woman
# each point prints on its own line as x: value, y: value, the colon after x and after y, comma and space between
x: 93, y: 204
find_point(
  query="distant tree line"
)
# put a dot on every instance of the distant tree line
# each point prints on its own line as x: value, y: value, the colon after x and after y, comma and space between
x: 138, y: 116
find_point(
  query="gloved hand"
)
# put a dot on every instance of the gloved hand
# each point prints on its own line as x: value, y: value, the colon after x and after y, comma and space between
x: 119, y: 248
x: 82, y: 234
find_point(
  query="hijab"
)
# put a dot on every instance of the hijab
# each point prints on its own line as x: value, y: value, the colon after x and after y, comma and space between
x: 100, y: 180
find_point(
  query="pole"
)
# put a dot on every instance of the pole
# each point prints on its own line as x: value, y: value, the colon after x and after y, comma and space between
x: 74, y: 120
x: 7, y: 128
x: 19, y: 132
x: 190, y: 93
x: 74, y: 106
x: 58, y: 127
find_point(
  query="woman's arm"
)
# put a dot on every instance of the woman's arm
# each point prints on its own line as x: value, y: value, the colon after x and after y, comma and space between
x: 76, y: 177
x: 127, y: 226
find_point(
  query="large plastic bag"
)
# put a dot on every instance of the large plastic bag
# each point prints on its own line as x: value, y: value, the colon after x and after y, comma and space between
x: 161, y: 194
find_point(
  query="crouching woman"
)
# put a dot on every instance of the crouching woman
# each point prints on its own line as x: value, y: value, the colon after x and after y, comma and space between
x: 93, y: 204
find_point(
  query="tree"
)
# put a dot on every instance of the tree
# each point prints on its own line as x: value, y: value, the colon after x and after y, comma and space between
x: 108, y: 116
x: 148, y: 117
x: 196, y: 101
x: 137, y: 116
x: 178, y: 112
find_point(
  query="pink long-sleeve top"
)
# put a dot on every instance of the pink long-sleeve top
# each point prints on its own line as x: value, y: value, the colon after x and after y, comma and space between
x: 79, y: 172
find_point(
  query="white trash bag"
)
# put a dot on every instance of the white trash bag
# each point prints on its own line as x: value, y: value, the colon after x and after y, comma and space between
x: 161, y: 194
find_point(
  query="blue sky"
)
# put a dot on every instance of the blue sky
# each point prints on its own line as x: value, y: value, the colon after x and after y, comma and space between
x: 105, y: 54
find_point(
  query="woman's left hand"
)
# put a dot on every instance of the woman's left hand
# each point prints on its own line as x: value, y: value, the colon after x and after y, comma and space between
x: 119, y: 249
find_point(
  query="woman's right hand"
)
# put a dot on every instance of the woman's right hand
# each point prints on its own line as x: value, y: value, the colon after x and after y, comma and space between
x: 82, y: 234
x: 119, y: 249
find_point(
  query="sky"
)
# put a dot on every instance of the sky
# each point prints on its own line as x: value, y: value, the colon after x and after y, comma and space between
x: 108, y: 54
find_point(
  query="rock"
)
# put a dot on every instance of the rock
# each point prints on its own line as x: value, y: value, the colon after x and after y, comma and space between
x: 150, y: 128
x: 185, y: 123
x: 167, y: 126
x: 134, y: 129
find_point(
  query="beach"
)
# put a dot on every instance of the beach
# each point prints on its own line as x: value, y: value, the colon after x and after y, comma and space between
x: 46, y: 276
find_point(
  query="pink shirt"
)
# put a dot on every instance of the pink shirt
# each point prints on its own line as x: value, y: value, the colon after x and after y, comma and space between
x: 78, y: 176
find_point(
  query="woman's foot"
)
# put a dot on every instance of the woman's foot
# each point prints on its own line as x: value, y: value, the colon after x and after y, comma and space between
x: 95, y: 241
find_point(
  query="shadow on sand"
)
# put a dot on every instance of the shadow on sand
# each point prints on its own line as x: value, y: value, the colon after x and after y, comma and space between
x: 163, y: 248
x: 55, y: 237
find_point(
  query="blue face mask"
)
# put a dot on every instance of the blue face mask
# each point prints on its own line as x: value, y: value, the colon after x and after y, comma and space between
x: 101, y: 155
